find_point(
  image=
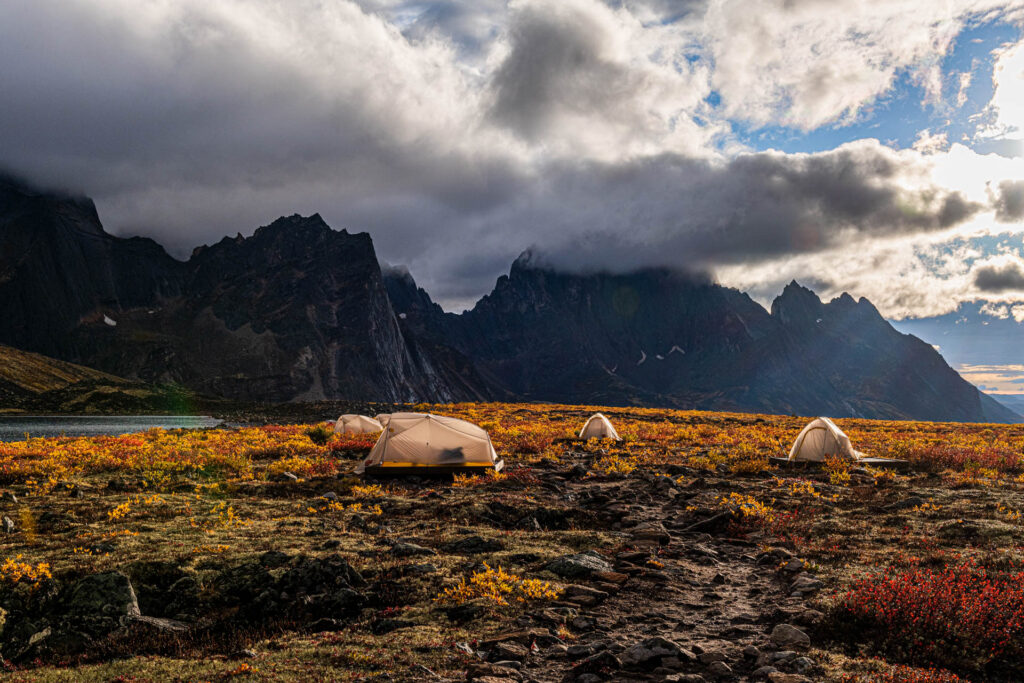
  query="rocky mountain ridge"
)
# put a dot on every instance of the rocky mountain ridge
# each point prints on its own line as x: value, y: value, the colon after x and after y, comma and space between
x: 299, y: 311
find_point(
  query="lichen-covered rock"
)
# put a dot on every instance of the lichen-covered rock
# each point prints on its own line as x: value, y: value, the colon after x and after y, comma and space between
x: 579, y: 565
x: 107, y: 594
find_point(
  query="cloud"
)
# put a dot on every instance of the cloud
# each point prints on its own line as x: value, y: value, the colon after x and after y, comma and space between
x: 812, y: 62
x: 580, y: 75
x: 1000, y: 274
x: 998, y: 379
x: 676, y: 211
x: 1009, y: 203
x: 1006, y: 109
x: 930, y: 143
x: 460, y: 133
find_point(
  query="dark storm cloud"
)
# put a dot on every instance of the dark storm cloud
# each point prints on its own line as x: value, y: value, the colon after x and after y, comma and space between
x: 189, y: 120
x: 1003, y: 277
x: 1009, y: 202
x: 555, y: 64
x: 673, y: 210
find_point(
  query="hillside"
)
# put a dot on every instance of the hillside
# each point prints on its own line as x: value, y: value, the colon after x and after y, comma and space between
x: 30, y: 382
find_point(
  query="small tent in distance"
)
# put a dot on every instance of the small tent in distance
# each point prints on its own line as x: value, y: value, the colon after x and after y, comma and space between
x: 599, y: 427
x: 357, y: 424
x: 822, y: 439
x: 419, y: 443
x: 383, y: 418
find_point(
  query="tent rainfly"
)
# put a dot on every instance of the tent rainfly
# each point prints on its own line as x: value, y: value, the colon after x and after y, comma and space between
x: 821, y: 439
x: 418, y: 443
x: 357, y: 424
x: 599, y: 427
x: 383, y: 418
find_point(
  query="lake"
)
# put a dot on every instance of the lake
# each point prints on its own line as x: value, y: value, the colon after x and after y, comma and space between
x: 14, y: 427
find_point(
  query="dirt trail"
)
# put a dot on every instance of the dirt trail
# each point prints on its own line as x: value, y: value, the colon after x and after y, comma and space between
x: 685, y: 601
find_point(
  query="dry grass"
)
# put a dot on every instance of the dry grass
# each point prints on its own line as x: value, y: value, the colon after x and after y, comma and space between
x: 205, y: 500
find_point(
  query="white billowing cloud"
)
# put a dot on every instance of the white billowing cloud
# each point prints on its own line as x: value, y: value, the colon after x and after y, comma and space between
x: 931, y: 143
x: 1007, y: 102
x: 813, y: 62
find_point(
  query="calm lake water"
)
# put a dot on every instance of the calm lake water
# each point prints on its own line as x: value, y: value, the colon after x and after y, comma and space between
x: 13, y: 428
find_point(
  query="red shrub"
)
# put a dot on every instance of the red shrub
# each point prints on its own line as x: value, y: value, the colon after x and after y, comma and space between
x: 963, y: 617
x: 352, y: 442
x: 907, y: 674
x: 939, y: 456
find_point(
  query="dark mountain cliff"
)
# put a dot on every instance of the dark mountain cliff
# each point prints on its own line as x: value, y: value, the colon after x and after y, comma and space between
x: 663, y: 338
x: 299, y: 311
x: 58, y: 267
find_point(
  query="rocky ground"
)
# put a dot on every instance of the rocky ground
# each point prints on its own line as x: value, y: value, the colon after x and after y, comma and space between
x: 660, y: 573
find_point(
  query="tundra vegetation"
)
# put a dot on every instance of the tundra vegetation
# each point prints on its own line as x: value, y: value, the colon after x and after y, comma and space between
x: 677, y: 553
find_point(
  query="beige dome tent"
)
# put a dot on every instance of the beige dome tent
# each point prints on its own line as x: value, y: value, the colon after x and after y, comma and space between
x: 357, y: 424
x: 418, y: 443
x: 598, y: 427
x: 383, y: 418
x: 822, y: 439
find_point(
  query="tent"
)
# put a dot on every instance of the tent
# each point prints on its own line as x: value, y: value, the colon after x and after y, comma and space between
x: 383, y: 418
x: 821, y: 439
x: 357, y: 424
x: 598, y: 427
x: 418, y: 443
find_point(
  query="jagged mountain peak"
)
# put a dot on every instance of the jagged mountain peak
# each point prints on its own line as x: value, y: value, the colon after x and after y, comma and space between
x: 797, y: 305
x: 844, y: 300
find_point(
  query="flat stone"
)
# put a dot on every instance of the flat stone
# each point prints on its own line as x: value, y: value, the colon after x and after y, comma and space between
x: 510, y: 651
x: 410, y: 550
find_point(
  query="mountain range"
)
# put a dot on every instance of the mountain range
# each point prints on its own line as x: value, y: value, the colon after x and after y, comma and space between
x: 299, y: 311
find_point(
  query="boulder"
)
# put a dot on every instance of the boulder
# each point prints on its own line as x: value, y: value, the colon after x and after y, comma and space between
x: 107, y: 594
x: 787, y: 635
x: 650, y: 534
x: 474, y: 545
x: 580, y: 565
